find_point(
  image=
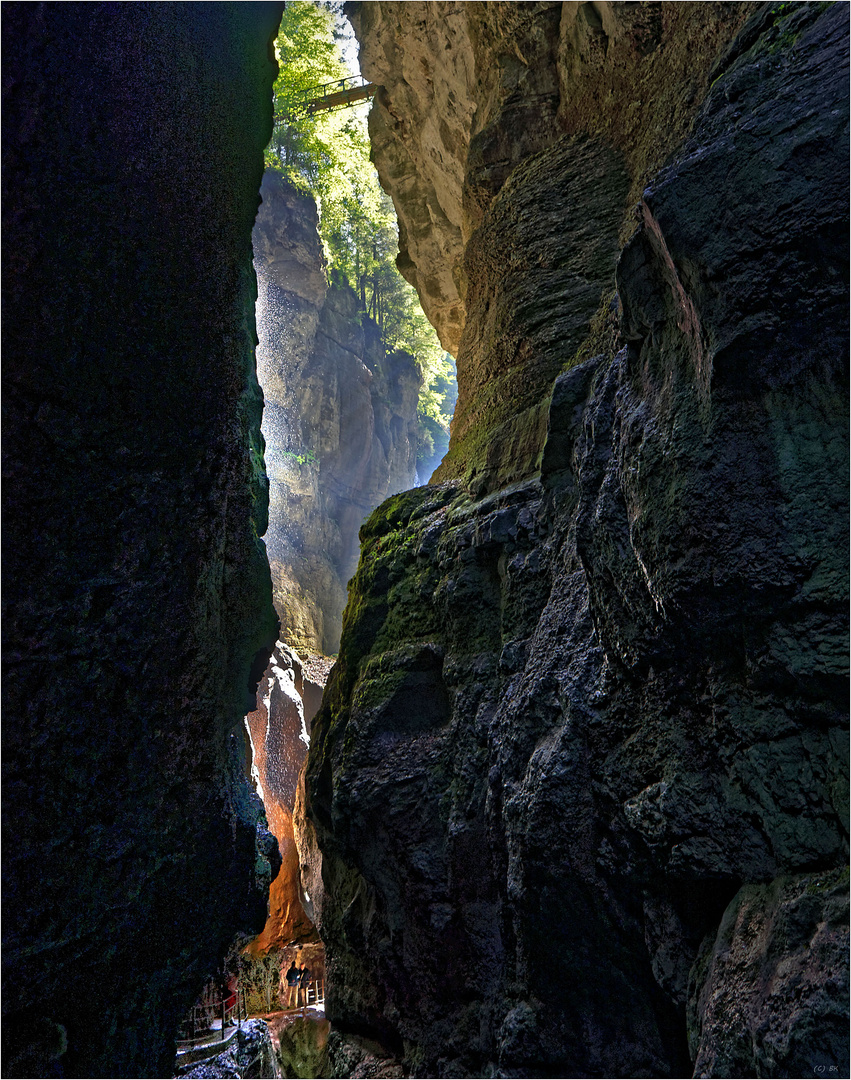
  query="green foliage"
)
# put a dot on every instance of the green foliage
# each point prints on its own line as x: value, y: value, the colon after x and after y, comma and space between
x: 327, y: 154
x: 306, y: 457
x: 308, y: 56
x: 437, y: 403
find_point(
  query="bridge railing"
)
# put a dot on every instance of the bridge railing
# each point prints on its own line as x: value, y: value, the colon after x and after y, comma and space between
x: 332, y: 95
x: 312, y: 994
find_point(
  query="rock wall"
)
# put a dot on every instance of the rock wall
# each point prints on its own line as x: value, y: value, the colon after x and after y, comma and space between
x: 279, y: 731
x: 302, y: 1046
x: 579, y: 783
x: 468, y: 93
x: 340, y: 419
x: 137, y: 597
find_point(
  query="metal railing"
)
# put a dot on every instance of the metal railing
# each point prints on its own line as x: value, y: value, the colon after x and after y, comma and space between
x: 316, y: 990
x: 212, y: 1016
x: 313, y: 994
x: 213, y: 1019
x: 333, y: 95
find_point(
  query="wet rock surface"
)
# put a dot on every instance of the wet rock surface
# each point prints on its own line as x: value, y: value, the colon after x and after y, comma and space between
x: 574, y: 716
x: 340, y: 419
x: 137, y: 597
x: 253, y: 1056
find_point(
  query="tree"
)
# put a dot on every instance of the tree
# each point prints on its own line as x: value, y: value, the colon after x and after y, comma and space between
x: 327, y: 153
x: 307, y: 56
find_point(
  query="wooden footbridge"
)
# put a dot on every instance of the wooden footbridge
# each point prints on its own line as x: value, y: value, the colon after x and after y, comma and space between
x: 333, y: 95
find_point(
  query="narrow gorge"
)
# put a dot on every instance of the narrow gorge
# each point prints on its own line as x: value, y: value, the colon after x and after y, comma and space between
x: 574, y: 800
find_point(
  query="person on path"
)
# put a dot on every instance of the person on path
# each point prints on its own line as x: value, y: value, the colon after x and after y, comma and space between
x: 292, y: 978
x: 304, y: 983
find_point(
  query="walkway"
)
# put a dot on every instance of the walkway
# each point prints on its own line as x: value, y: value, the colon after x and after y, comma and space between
x: 334, y: 95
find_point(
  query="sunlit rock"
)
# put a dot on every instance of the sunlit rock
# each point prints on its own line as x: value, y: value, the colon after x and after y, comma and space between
x: 340, y: 420
x: 279, y: 742
x: 471, y: 91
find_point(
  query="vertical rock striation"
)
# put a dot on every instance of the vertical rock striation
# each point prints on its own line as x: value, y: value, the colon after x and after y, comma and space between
x: 279, y: 731
x: 137, y: 597
x: 579, y: 783
x: 469, y: 93
x: 340, y: 418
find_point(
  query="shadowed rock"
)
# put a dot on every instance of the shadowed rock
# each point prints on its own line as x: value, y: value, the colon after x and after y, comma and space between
x: 641, y: 640
x: 137, y: 597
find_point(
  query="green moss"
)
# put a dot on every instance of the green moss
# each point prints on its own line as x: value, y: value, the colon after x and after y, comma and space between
x: 301, y: 457
x: 821, y: 884
x: 398, y: 510
x: 789, y: 21
x: 602, y: 336
x: 501, y: 421
x: 373, y: 690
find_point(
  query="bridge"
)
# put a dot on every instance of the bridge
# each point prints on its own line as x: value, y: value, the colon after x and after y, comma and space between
x: 333, y: 95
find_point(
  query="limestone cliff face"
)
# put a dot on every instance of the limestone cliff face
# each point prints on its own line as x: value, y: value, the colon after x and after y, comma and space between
x: 137, y: 596
x: 578, y: 790
x: 340, y: 419
x: 279, y: 730
x: 469, y: 93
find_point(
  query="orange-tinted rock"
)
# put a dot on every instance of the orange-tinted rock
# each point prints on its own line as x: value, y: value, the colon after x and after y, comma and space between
x: 279, y: 743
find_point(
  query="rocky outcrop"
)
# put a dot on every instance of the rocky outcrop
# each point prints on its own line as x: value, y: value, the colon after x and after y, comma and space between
x: 579, y: 783
x: 137, y: 597
x: 302, y: 1046
x: 252, y: 1055
x: 340, y: 419
x: 469, y: 93
x: 769, y: 993
x: 279, y: 732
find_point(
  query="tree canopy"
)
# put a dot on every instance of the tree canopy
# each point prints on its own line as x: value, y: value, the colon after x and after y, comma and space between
x: 327, y: 153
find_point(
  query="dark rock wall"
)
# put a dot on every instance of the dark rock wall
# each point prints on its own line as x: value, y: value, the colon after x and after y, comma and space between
x: 137, y: 598
x: 340, y: 419
x: 577, y: 795
x: 769, y: 994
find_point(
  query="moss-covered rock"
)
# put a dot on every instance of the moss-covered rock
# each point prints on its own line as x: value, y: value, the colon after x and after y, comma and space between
x: 573, y: 716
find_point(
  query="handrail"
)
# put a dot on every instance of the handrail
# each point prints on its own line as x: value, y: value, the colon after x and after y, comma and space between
x: 314, y: 994
x: 199, y: 1023
x: 336, y: 94
x: 197, y: 1029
